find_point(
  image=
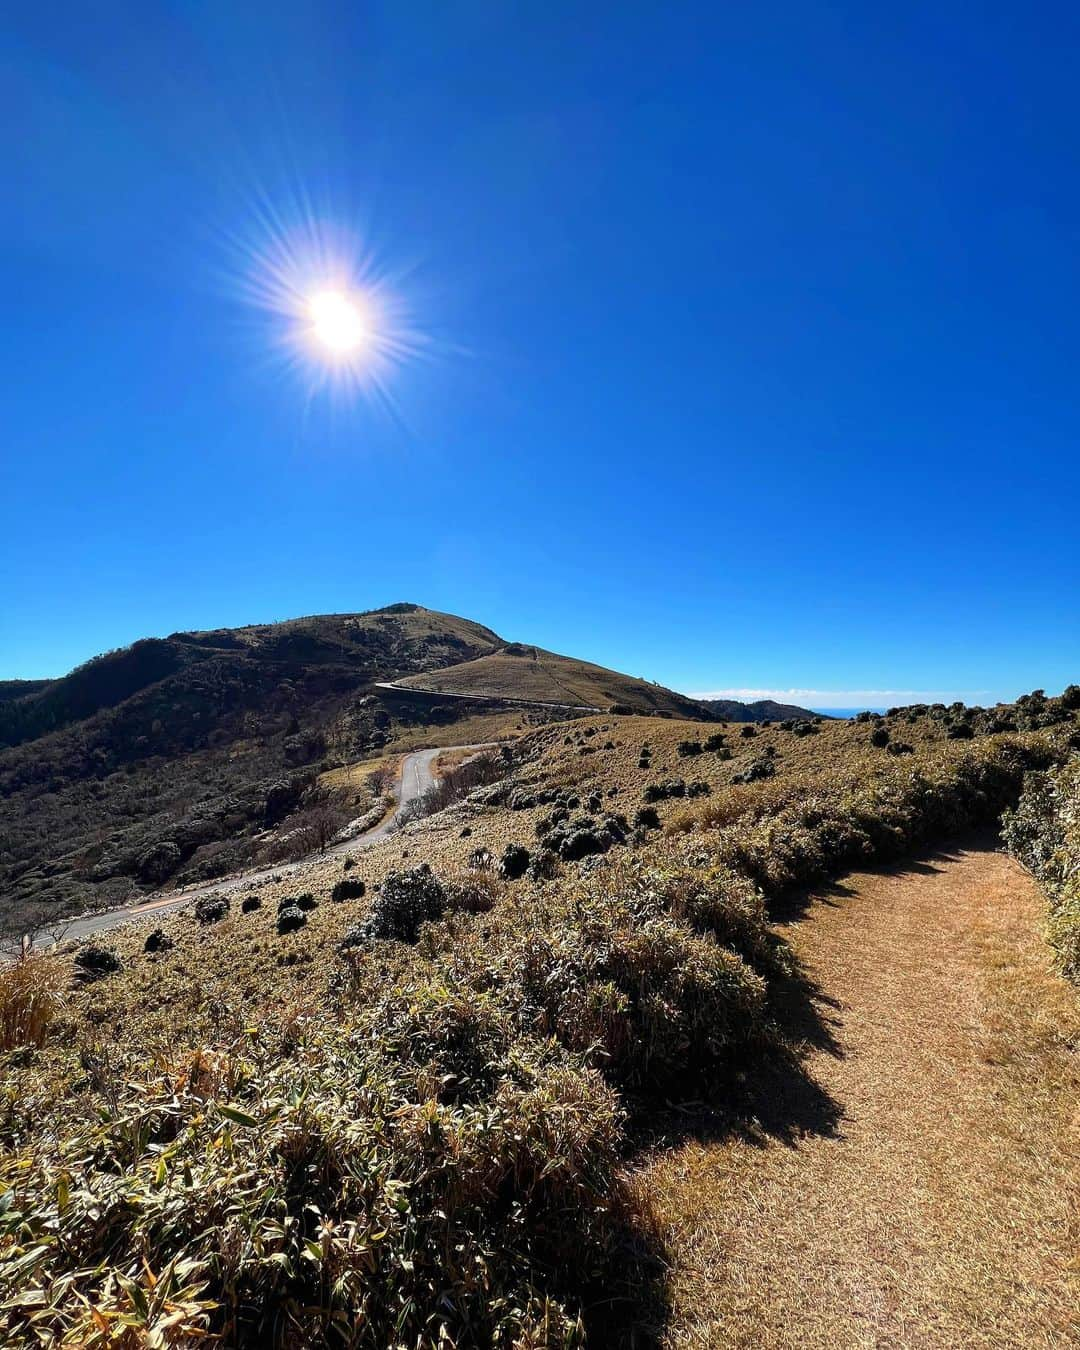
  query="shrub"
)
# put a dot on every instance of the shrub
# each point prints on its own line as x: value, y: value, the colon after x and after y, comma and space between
x: 250, y: 903
x: 159, y: 862
x: 960, y: 731
x: 94, y: 963
x: 879, y: 737
x: 290, y: 919
x: 405, y: 901
x: 330, y: 1183
x: 647, y: 818
x: 349, y: 888
x: 514, y: 862
x: 158, y: 941
x: 1043, y: 832
x: 747, y: 731
x: 212, y: 908
x: 687, y: 749
x: 654, y: 1004
x: 305, y: 902
x: 716, y: 741
x: 756, y: 770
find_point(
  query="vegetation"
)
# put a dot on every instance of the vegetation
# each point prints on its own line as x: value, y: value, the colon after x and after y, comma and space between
x: 405, y: 1120
x: 1043, y: 832
x: 532, y: 674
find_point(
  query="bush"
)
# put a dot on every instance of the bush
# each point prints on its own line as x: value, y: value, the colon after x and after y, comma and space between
x: 290, y: 919
x: 305, y: 902
x: 405, y: 901
x: 212, y: 908
x: 514, y: 862
x: 1043, y: 832
x: 879, y: 737
x: 654, y: 1004
x: 158, y: 941
x: 349, y: 888
x: 755, y: 771
x: 647, y: 818
x: 159, y: 862
x: 330, y: 1183
x: 687, y: 749
x: 94, y: 963
x: 250, y: 903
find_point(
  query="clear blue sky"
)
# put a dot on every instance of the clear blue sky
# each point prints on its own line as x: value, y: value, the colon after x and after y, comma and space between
x: 747, y: 337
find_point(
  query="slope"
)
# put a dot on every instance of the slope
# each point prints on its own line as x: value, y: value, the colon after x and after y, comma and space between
x: 517, y: 671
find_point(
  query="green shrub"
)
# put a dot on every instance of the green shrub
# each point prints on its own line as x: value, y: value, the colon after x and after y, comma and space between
x: 1043, y: 832
x: 323, y: 1198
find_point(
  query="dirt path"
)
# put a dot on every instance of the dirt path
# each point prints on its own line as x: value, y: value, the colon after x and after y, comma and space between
x: 929, y: 1196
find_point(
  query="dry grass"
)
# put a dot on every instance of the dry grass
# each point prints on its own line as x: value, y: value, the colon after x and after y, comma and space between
x: 544, y: 677
x: 30, y: 999
x: 930, y: 1198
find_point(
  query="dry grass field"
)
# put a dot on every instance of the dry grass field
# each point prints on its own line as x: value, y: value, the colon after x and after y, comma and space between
x: 596, y: 1075
x: 524, y: 672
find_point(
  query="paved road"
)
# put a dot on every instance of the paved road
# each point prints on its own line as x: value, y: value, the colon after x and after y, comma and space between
x: 415, y: 779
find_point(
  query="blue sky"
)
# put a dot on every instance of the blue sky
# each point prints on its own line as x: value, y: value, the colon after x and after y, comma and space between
x: 738, y: 344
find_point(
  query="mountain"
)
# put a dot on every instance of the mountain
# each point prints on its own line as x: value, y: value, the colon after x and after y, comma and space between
x: 530, y: 674
x: 168, y: 759
x: 764, y: 710
x: 182, y: 758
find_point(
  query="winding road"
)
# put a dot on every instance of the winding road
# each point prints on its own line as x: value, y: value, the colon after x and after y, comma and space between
x: 415, y: 778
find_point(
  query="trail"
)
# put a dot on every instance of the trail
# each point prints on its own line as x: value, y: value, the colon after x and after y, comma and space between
x: 919, y: 1186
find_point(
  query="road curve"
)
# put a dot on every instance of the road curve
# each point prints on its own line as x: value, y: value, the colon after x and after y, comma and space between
x: 414, y: 780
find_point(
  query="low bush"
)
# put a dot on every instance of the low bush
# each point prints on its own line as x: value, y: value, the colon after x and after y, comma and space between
x: 405, y: 900
x: 756, y: 770
x: 290, y: 919
x: 514, y: 862
x: 328, y: 1183
x: 1043, y: 832
x: 349, y: 888
x: 211, y: 908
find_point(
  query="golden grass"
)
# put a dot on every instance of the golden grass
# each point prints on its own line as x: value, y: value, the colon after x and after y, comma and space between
x: 30, y: 999
x: 545, y: 677
x: 940, y: 1210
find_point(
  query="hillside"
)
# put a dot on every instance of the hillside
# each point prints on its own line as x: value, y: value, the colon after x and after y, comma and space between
x: 167, y: 759
x: 517, y: 671
x: 557, y: 1032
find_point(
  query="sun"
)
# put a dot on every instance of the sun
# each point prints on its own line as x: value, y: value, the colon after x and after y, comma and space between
x: 340, y: 322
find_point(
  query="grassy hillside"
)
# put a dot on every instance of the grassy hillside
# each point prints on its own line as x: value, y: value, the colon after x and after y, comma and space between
x: 172, y: 758
x: 521, y: 672
x: 399, y: 1112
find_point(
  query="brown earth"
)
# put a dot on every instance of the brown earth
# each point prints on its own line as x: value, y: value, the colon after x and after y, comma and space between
x: 919, y: 1186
